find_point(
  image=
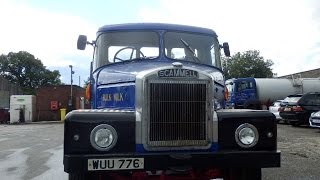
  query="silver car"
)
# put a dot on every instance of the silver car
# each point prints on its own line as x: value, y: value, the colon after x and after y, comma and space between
x: 314, y: 119
x: 274, y: 108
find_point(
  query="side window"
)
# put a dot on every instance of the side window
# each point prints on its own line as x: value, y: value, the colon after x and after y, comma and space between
x: 244, y: 85
x: 177, y: 53
x: 251, y: 85
x: 183, y: 54
x: 311, y: 99
x: 317, y: 99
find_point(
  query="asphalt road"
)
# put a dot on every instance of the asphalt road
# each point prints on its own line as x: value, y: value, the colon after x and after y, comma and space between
x: 31, y: 151
x: 34, y: 151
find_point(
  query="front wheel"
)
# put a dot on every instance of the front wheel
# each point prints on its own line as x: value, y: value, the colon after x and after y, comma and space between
x: 243, y: 174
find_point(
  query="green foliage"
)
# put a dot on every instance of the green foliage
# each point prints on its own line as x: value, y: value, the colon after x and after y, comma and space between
x: 247, y: 64
x: 24, y: 69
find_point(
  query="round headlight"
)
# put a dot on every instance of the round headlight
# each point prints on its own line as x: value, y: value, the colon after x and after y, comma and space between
x: 103, y: 137
x: 246, y: 135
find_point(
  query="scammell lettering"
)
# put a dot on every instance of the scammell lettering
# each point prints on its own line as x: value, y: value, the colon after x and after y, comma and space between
x: 178, y: 73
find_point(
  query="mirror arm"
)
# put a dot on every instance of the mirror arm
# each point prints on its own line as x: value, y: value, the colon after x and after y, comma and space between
x: 93, y: 43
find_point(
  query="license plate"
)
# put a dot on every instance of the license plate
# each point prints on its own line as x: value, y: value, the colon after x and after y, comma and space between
x: 316, y: 120
x: 287, y: 109
x: 115, y: 164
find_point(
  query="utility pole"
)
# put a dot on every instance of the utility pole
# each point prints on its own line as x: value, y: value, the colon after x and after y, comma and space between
x: 71, y: 73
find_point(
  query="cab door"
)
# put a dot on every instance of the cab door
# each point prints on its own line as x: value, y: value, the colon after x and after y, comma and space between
x: 245, y: 91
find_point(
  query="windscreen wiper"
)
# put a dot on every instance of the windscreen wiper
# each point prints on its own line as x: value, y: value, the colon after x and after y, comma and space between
x: 194, y: 57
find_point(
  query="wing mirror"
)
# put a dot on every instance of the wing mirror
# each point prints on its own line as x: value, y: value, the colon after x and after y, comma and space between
x: 82, y: 42
x: 226, y: 49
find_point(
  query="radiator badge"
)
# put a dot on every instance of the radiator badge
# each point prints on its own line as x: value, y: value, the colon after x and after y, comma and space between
x: 178, y: 73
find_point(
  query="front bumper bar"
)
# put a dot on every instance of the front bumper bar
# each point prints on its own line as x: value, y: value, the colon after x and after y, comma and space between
x: 163, y: 161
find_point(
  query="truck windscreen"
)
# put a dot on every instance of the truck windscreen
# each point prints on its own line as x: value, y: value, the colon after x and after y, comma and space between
x: 192, y: 47
x: 114, y: 47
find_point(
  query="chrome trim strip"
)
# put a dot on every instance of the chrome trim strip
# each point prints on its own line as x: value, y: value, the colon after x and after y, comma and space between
x: 215, y: 128
x: 138, y: 128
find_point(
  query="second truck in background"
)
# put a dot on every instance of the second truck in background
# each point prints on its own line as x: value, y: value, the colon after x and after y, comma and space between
x: 259, y: 93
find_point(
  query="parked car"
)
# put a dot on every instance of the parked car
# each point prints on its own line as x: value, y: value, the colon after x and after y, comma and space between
x: 274, y: 108
x: 298, y: 111
x: 288, y: 109
x: 4, y: 115
x: 314, y: 119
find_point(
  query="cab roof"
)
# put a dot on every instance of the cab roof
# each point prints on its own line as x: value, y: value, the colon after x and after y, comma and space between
x: 156, y: 26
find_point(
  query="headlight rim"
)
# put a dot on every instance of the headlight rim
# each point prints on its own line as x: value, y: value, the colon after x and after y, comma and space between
x: 103, y: 126
x: 237, y: 137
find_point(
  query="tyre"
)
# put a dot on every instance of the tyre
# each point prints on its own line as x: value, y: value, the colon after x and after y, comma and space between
x: 252, y: 105
x: 243, y: 174
x: 285, y: 121
x: 295, y: 124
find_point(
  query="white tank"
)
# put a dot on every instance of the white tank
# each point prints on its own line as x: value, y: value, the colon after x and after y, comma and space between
x: 269, y: 90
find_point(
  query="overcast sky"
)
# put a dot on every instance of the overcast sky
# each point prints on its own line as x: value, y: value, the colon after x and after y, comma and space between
x: 285, y: 31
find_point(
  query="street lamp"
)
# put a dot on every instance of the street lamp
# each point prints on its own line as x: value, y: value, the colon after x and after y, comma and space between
x: 71, y: 72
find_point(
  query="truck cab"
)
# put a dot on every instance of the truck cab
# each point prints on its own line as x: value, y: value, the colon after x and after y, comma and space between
x: 122, y: 52
x: 155, y: 90
x: 242, y: 93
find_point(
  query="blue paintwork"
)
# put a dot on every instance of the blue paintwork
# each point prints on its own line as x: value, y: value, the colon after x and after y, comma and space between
x: 214, y: 148
x: 117, y: 96
x: 239, y: 98
x: 156, y: 27
x: 125, y: 72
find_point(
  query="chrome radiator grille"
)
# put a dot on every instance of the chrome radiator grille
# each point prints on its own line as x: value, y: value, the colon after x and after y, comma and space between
x: 177, y: 113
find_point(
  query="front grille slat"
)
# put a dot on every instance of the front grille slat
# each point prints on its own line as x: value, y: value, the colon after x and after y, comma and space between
x: 177, y: 113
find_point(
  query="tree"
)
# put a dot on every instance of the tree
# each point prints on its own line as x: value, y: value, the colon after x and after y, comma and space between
x: 25, y: 70
x: 247, y: 64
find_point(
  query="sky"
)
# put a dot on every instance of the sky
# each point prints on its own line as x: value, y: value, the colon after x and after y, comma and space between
x: 286, y: 32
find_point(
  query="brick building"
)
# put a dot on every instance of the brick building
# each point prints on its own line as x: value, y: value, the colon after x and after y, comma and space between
x: 50, y: 99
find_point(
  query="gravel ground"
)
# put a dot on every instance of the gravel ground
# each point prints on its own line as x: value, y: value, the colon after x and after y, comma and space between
x: 300, y: 154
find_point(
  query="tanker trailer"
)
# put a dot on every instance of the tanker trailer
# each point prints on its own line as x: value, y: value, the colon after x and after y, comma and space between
x: 259, y: 93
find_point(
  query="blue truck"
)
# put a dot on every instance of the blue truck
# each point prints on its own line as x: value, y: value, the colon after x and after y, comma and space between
x: 260, y: 93
x: 156, y: 92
